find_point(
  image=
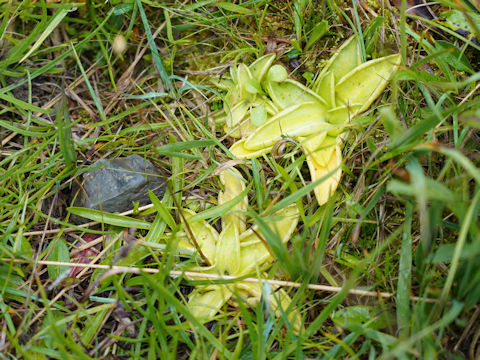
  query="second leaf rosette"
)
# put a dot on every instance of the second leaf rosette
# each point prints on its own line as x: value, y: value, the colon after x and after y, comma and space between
x: 236, y: 251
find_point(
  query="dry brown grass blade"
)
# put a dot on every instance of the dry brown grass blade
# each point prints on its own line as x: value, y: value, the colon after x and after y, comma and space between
x: 199, y: 275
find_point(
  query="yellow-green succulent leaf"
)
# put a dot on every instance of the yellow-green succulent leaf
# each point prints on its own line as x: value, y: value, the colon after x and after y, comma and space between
x: 264, y: 101
x: 238, y: 150
x: 313, y: 142
x: 210, y: 270
x: 219, y: 117
x: 242, y: 294
x: 234, y: 185
x: 224, y: 83
x: 230, y: 99
x: 298, y: 120
x: 243, y: 76
x: 366, y: 82
x: 253, y: 289
x: 323, y: 152
x: 327, y: 187
x: 253, y: 251
x: 253, y: 86
x: 253, y: 256
x: 241, y: 130
x: 291, y: 92
x: 342, y: 62
x: 233, y: 74
x: 258, y: 115
x: 184, y: 246
x: 228, y: 250
x: 272, y: 109
x: 282, y: 222
x: 236, y: 113
x: 326, y: 89
x: 322, y: 157
x: 341, y: 115
x: 276, y: 73
x: 205, y: 236
x: 259, y: 67
x: 278, y: 298
x: 206, y: 302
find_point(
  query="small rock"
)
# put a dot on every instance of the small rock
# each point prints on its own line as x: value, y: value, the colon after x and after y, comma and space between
x: 112, y: 185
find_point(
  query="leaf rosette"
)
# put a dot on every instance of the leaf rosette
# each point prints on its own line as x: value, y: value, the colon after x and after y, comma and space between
x: 236, y: 251
x: 263, y: 105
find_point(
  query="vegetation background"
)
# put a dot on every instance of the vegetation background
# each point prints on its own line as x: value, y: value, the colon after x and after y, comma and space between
x: 89, y: 80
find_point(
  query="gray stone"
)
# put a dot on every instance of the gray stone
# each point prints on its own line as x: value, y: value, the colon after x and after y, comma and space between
x: 113, y: 185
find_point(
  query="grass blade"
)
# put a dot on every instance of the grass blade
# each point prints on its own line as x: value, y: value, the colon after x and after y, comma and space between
x: 277, y: 247
x: 64, y: 129
x: 153, y: 48
x: 174, y: 302
x: 94, y: 96
x: 220, y: 210
x: 462, y: 238
x: 54, y: 22
x: 404, y: 277
x: 184, y: 145
x: 290, y: 199
x: 23, y: 131
x: 22, y: 104
x: 112, y: 219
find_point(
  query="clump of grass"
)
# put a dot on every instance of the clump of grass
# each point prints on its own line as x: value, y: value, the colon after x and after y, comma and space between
x: 403, y: 224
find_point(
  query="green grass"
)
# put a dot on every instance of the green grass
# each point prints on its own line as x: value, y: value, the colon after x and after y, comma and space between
x: 404, y: 220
